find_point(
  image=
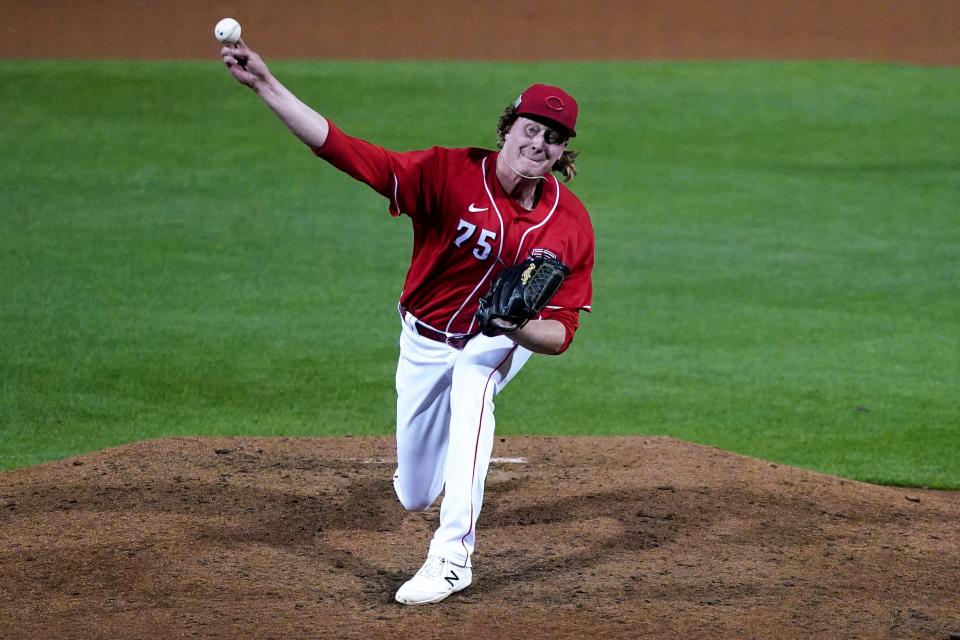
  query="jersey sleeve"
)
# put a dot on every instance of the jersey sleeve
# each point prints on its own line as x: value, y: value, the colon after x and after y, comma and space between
x: 576, y: 292
x: 569, y: 318
x: 409, y: 180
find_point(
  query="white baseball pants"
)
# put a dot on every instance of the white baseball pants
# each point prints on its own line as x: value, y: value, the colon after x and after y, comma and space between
x: 445, y: 429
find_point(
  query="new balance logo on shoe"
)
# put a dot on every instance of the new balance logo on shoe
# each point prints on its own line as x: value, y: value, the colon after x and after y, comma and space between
x: 435, y: 580
x: 452, y: 578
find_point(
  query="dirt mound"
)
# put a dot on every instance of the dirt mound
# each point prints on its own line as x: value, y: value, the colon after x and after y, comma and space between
x: 613, y: 537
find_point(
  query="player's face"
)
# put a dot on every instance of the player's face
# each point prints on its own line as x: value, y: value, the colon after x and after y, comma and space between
x: 533, y: 148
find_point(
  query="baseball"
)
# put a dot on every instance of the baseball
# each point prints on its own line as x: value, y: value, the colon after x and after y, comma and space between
x: 227, y: 31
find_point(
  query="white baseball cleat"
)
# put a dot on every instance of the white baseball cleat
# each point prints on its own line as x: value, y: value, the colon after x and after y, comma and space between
x: 436, y: 579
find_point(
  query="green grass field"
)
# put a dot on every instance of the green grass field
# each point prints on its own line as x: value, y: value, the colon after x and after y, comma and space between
x: 778, y: 257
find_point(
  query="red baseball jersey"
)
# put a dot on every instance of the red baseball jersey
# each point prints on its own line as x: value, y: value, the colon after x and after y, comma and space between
x: 466, y: 228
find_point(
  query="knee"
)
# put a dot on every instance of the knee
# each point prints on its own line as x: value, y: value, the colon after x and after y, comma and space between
x: 416, y: 502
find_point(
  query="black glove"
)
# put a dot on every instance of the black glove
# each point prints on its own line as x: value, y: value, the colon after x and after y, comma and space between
x: 519, y: 293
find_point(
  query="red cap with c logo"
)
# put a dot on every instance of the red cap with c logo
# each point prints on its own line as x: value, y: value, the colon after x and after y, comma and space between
x: 544, y: 101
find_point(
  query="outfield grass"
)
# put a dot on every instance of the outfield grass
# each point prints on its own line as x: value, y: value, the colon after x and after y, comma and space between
x: 778, y: 257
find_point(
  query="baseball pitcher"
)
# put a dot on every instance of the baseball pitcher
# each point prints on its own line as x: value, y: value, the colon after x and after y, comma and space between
x: 501, y: 268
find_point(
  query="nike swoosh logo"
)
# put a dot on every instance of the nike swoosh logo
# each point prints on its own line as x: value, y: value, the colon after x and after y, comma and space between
x: 475, y: 209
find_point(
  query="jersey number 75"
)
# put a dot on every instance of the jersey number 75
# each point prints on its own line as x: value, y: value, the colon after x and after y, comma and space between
x: 483, y: 248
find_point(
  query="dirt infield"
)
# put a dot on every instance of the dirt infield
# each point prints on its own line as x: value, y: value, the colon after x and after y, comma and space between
x: 919, y: 31
x: 618, y: 537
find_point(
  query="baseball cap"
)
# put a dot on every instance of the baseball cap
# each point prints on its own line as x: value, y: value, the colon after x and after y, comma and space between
x: 549, y: 103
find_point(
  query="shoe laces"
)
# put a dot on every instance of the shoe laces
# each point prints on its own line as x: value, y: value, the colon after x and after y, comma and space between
x: 433, y: 567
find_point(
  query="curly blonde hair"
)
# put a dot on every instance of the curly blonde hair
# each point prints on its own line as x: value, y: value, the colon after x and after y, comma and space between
x: 564, y: 166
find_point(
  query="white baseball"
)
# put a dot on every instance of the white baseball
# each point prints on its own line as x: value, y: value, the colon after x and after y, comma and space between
x: 227, y: 31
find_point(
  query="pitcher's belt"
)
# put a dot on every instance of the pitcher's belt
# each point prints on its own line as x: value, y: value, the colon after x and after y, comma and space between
x: 456, y: 340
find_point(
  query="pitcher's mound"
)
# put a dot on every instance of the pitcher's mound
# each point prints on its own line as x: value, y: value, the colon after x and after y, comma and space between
x: 579, y: 537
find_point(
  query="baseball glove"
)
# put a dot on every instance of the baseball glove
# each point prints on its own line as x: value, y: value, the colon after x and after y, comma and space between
x: 519, y: 293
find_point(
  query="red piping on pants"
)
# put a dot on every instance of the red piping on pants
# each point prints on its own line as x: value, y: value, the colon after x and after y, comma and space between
x: 476, y: 447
